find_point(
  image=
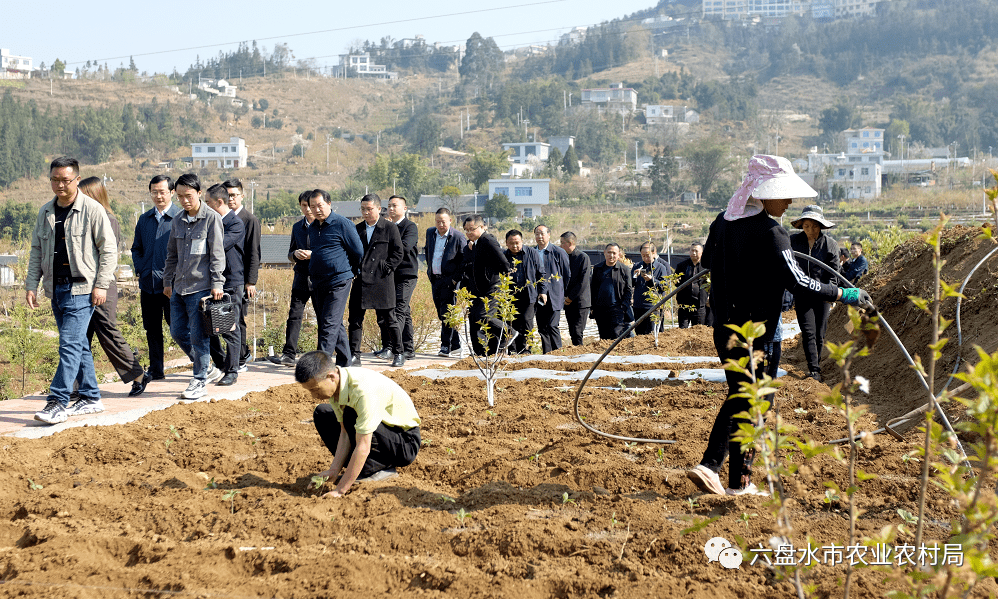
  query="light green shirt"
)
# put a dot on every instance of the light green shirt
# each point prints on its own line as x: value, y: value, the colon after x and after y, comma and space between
x: 376, y: 399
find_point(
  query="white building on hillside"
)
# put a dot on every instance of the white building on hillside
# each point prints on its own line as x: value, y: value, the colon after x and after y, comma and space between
x: 362, y: 65
x: 817, y: 9
x: 231, y: 154
x: 562, y: 142
x: 616, y: 98
x: 14, y: 67
x: 867, y: 140
x: 529, y: 195
x: 521, y: 153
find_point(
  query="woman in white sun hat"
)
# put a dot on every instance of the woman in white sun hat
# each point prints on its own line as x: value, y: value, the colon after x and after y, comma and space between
x: 751, y: 263
x: 812, y: 312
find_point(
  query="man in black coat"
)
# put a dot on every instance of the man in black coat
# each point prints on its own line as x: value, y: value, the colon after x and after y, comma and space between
x: 232, y: 242
x: 692, y: 300
x: 444, y: 260
x: 611, y: 293
x: 483, y: 263
x: 405, y: 281
x: 374, y: 287
x: 528, y: 284
x: 299, y: 253
x: 251, y: 259
x: 557, y: 274
x: 577, y: 292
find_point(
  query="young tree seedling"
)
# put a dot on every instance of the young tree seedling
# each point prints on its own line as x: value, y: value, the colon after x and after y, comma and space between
x: 318, y: 481
x: 566, y: 499
x: 461, y: 516
x: 249, y: 435
x: 212, y: 485
x: 34, y: 486
x: 230, y: 496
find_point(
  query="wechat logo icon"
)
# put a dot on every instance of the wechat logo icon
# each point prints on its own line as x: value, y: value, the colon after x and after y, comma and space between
x: 720, y: 550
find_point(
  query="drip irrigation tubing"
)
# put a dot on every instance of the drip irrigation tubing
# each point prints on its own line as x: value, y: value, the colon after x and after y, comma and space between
x: 959, y: 329
x: 621, y: 337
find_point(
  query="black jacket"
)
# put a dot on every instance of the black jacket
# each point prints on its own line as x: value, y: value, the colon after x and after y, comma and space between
x: 409, y: 268
x: 622, y: 287
x: 452, y: 262
x: 558, y: 275
x: 580, y: 279
x: 750, y: 264
x: 527, y: 273
x: 251, y: 246
x: 483, y: 263
x: 696, y: 294
x: 382, y: 255
x: 233, y: 236
x: 299, y: 241
x: 825, y: 249
x: 659, y: 273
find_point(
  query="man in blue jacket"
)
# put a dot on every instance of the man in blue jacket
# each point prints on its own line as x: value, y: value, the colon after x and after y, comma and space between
x: 557, y: 274
x: 335, y: 259
x: 299, y: 252
x: 152, y: 232
x: 233, y: 235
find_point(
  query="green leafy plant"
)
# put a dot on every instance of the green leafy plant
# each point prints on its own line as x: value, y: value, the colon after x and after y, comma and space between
x: 462, y: 516
x: 34, y: 486
x: 745, y: 517
x: 454, y: 407
x: 249, y: 436
x: 176, y: 437
x: 230, y: 496
x: 566, y: 499
x: 212, y: 485
x: 319, y: 481
x: 446, y: 499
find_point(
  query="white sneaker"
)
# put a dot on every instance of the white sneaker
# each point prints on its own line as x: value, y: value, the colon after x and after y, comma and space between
x: 459, y: 353
x: 194, y: 390
x: 85, y: 405
x: 706, y: 479
x: 214, y: 374
x: 52, y: 413
x: 751, y: 489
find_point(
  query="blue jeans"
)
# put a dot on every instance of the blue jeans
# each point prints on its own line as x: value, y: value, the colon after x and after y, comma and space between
x: 72, y: 317
x: 188, y: 331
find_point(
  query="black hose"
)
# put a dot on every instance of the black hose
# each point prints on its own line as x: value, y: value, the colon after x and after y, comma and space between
x: 624, y: 335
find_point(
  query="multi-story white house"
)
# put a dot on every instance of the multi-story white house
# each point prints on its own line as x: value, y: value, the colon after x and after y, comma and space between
x: 529, y: 195
x: 231, y: 154
x: 867, y: 140
x: 818, y: 9
x: 363, y: 66
x: 14, y: 67
x: 861, y: 180
x: 521, y: 153
x: 616, y: 98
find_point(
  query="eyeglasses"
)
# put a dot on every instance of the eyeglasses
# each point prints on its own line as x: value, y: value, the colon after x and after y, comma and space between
x: 63, y: 181
x: 472, y: 229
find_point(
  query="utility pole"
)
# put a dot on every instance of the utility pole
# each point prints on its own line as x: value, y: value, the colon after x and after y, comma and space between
x: 252, y: 194
x: 328, y: 140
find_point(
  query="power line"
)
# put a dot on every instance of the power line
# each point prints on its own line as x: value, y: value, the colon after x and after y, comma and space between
x: 347, y: 28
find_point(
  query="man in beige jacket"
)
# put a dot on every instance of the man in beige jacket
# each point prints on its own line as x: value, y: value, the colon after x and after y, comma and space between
x: 73, y: 248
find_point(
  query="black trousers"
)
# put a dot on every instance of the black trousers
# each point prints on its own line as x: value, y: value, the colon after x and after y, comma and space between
x: 523, y: 322
x: 443, y: 295
x: 813, y: 318
x: 292, y: 331
x: 719, y: 443
x: 104, y: 324
x: 688, y: 318
x: 548, y: 322
x: 227, y: 360
x: 329, y: 303
x: 610, y: 322
x: 401, y: 318
x: 155, y: 307
x: 576, y: 318
x: 476, y: 315
x: 391, y: 335
x: 245, y: 354
x: 391, y: 446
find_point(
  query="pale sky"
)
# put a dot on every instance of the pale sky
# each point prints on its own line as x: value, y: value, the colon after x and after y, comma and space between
x: 164, y: 36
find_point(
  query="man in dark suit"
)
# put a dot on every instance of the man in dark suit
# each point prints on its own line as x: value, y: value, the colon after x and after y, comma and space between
x: 611, y: 293
x: 299, y: 252
x: 232, y: 242
x: 152, y: 233
x: 374, y: 287
x: 577, y: 292
x: 528, y: 283
x: 692, y: 300
x: 484, y: 262
x: 251, y: 259
x: 405, y: 281
x: 651, y: 273
x: 557, y: 274
x: 444, y: 257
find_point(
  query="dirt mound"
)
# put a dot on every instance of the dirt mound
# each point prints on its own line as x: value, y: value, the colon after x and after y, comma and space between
x: 894, y: 387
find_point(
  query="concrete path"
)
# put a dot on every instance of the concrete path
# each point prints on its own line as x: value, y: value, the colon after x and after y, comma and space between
x: 17, y: 415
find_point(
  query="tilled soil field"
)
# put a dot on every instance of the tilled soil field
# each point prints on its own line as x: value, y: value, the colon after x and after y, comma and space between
x: 211, y: 499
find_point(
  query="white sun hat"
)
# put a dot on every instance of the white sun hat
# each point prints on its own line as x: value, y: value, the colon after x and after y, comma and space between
x: 768, y: 178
